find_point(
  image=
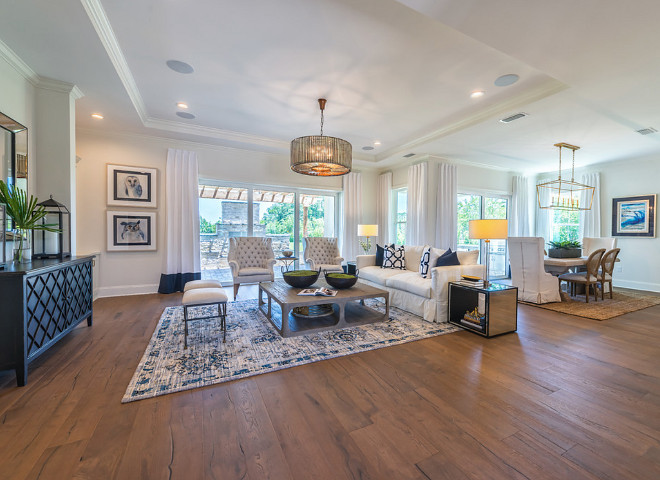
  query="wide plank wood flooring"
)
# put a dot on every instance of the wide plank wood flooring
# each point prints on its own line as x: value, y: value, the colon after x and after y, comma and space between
x: 563, y: 398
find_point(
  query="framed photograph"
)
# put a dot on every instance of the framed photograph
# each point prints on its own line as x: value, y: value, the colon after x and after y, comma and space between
x: 131, y: 186
x: 633, y: 216
x: 128, y: 231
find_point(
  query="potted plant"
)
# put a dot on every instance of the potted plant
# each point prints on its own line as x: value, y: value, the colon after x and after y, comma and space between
x: 26, y: 216
x: 565, y: 249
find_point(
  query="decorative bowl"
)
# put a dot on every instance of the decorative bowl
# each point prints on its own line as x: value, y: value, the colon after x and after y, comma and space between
x: 287, y: 253
x: 340, y: 280
x: 301, y: 278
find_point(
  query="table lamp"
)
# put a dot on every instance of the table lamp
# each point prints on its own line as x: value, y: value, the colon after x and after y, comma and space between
x: 487, y: 230
x: 367, y: 231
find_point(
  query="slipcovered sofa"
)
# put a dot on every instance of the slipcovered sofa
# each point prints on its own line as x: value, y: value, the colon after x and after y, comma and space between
x: 409, y: 291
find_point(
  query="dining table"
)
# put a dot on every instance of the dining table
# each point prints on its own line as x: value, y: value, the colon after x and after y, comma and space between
x: 558, y: 266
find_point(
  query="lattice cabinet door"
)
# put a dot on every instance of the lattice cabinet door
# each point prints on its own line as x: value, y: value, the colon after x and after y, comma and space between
x: 79, y: 291
x: 46, y: 309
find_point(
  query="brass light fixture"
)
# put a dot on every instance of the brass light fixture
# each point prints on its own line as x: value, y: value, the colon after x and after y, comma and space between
x: 565, y: 194
x: 320, y: 155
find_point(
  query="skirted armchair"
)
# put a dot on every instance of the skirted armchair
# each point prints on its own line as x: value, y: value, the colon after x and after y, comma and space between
x: 528, y: 272
x: 322, y: 252
x: 251, y: 260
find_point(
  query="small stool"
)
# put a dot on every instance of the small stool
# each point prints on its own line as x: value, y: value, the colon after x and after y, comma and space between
x: 201, y: 284
x: 199, y: 297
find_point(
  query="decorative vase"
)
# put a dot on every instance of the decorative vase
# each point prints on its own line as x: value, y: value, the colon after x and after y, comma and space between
x: 22, y: 246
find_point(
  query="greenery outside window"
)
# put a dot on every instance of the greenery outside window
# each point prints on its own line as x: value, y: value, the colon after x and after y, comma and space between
x: 400, y: 208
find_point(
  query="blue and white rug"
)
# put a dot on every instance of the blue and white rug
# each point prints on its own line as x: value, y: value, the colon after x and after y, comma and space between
x: 254, y: 347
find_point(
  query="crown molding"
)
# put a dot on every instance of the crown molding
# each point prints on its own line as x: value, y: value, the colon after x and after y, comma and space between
x: 106, y: 34
x: 18, y: 64
x: 547, y: 89
x: 46, y: 83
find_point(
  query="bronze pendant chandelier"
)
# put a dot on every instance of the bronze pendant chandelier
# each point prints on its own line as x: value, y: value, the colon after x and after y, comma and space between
x: 320, y: 155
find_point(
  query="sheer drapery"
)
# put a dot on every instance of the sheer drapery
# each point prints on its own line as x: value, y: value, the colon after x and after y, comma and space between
x: 352, y: 184
x: 543, y: 218
x: 590, y: 219
x: 519, y: 224
x: 446, y: 229
x: 383, y: 202
x: 182, y: 221
x: 417, y: 216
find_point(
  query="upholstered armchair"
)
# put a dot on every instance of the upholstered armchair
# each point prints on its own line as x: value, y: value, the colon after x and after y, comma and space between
x: 528, y: 272
x: 322, y: 252
x: 251, y: 260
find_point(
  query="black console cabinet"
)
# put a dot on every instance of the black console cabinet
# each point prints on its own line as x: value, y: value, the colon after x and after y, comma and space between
x: 40, y: 302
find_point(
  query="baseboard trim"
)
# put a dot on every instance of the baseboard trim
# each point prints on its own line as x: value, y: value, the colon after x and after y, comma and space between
x: 127, y: 290
x: 649, y: 287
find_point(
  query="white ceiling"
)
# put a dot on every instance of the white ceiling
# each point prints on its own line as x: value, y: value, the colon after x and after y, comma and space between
x: 399, y: 72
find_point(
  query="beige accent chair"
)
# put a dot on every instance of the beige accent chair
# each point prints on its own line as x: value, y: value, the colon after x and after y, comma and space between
x: 606, y: 270
x: 323, y: 253
x: 528, y: 272
x: 591, y: 244
x: 251, y: 260
x: 588, y: 278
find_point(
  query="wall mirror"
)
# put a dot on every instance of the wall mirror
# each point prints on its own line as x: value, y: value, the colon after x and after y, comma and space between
x: 13, y: 152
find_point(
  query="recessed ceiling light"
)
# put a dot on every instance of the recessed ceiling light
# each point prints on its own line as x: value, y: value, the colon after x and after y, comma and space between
x: 186, y: 115
x: 506, y: 80
x: 182, y: 105
x: 98, y: 116
x: 179, y: 66
x: 376, y: 143
x: 367, y: 148
x: 477, y: 94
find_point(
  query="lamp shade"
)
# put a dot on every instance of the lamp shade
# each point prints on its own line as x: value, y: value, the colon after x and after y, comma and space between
x: 488, y: 229
x: 367, y: 230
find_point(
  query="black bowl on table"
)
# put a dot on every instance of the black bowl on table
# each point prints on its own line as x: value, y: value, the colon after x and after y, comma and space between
x: 301, y: 278
x: 340, y: 280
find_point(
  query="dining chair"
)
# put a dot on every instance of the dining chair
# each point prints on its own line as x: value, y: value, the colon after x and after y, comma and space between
x: 588, y: 278
x: 606, y: 270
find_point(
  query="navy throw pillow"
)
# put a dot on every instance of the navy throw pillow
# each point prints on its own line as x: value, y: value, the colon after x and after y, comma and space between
x: 446, y: 254
x: 380, y: 254
x: 447, y: 260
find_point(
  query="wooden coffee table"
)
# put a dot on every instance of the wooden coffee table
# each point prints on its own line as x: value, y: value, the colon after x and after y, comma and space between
x: 348, y: 308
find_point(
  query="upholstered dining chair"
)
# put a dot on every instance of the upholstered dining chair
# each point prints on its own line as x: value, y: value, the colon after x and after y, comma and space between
x: 251, y: 260
x: 528, y: 272
x: 588, y: 278
x: 606, y: 270
x: 590, y: 244
x: 322, y: 252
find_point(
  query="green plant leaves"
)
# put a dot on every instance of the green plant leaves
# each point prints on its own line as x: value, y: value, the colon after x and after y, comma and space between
x: 24, y: 212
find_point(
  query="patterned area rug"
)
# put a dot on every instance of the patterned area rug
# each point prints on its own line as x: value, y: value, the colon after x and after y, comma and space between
x: 254, y: 347
x: 601, y: 310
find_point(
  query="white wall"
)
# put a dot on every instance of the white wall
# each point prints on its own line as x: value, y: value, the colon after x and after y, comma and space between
x: 139, y: 272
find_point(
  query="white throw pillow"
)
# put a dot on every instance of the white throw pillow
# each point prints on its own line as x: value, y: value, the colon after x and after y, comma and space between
x: 435, y: 254
x: 394, y: 257
x: 468, y: 258
x: 424, y: 261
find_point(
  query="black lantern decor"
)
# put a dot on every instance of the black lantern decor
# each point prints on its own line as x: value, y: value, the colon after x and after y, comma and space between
x: 53, y: 244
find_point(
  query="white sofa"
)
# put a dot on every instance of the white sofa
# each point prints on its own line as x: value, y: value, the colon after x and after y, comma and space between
x: 425, y: 297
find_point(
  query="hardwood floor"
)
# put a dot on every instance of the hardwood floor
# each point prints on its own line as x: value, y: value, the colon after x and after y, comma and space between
x: 563, y: 398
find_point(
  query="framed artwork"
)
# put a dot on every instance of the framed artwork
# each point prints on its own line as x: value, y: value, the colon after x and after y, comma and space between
x: 128, y: 231
x: 633, y: 216
x: 131, y: 186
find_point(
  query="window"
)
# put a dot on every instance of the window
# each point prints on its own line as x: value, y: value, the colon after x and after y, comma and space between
x: 475, y: 207
x: 565, y: 225
x: 400, y: 200
x: 228, y: 211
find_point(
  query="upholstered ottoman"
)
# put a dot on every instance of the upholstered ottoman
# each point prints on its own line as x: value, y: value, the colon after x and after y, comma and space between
x: 201, y: 284
x: 199, y: 297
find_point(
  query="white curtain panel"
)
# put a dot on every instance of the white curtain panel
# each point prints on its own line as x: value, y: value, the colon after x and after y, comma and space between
x: 417, y: 216
x: 383, y: 202
x: 543, y: 220
x: 446, y: 229
x: 182, y: 220
x: 590, y: 219
x: 352, y: 215
x: 519, y: 218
